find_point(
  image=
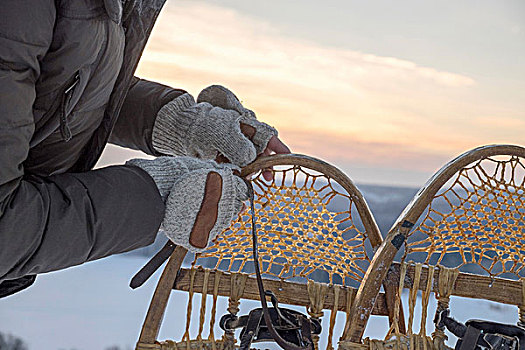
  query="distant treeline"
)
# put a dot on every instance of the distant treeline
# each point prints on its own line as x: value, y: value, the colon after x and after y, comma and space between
x: 11, y: 342
x: 385, y: 202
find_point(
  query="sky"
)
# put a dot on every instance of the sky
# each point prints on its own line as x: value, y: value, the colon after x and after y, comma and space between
x: 387, y: 91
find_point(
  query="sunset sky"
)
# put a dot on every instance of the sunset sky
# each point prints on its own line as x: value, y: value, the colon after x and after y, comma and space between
x: 387, y: 91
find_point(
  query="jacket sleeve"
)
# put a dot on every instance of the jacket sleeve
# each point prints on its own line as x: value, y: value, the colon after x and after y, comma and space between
x: 49, y: 223
x: 136, y: 119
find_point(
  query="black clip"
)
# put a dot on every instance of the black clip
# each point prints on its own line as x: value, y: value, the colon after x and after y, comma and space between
x: 292, y: 326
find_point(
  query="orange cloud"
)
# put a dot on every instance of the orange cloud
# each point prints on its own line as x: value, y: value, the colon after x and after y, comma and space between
x: 334, y: 103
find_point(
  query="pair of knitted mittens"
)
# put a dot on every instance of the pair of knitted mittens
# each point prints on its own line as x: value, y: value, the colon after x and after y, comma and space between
x: 202, y: 196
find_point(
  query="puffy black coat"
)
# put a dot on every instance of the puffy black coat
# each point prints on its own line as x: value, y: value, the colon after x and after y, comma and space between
x: 66, y: 88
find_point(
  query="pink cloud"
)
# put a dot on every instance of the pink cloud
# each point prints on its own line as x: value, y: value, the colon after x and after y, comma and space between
x: 342, y: 105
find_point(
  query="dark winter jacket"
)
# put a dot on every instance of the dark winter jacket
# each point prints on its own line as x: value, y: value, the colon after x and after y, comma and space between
x: 66, y: 88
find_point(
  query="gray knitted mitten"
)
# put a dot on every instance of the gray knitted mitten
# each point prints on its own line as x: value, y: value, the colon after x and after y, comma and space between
x: 202, y: 130
x: 201, y: 196
x: 219, y: 96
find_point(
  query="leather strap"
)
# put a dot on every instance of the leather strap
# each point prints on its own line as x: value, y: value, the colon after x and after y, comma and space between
x: 151, y: 266
x: 470, y: 339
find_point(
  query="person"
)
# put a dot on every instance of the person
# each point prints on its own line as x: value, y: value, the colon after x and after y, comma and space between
x: 67, y: 87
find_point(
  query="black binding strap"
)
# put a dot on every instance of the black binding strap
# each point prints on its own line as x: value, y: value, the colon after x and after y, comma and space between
x: 262, y: 293
x: 479, y: 335
x: 151, y: 266
x: 470, y: 339
x: 398, y: 240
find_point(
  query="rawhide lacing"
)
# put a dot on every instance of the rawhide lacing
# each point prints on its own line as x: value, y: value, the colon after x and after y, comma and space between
x: 309, y: 225
x: 477, y: 217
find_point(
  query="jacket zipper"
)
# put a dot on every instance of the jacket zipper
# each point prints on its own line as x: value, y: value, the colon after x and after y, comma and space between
x: 65, y: 131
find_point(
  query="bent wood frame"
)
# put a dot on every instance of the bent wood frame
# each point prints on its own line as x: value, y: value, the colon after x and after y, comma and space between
x: 285, y: 290
x: 467, y: 285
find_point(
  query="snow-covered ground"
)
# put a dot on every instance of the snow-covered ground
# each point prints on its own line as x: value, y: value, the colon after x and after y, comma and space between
x: 92, y: 307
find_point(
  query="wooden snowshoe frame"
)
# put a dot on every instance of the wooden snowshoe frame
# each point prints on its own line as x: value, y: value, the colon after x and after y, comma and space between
x: 302, y: 234
x: 470, y: 214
